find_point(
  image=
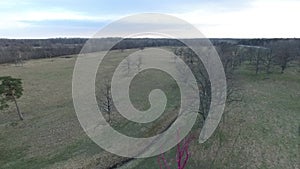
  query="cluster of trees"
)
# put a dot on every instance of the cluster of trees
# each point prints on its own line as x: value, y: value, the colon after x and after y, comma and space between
x: 263, y: 58
x: 228, y: 53
x: 17, y: 51
x: 270, y: 53
x: 284, y: 51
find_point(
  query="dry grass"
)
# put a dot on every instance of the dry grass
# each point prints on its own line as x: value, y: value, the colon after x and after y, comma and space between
x: 260, y: 132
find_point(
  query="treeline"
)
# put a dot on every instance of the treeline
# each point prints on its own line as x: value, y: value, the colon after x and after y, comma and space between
x: 13, y: 50
x: 95, y: 45
x: 18, y: 50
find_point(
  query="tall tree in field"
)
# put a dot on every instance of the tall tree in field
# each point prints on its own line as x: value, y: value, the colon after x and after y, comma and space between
x: 10, y: 90
x: 106, y: 102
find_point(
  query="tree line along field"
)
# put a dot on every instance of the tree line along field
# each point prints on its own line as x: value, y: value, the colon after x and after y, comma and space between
x: 18, y: 50
x: 259, y: 131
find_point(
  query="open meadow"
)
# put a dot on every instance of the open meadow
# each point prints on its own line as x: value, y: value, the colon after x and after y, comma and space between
x: 261, y: 131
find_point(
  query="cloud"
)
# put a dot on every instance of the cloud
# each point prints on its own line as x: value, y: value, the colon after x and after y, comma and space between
x: 35, y: 16
x: 233, y: 18
x: 262, y: 18
x: 58, y: 23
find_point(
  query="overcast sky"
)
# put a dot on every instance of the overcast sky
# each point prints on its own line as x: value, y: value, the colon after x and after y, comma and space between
x: 215, y: 19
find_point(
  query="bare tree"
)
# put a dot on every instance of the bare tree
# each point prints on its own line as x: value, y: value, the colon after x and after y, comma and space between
x: 268, y: 59
x: 139, y: 63
x: 128, y: 64
x: 106, y: 100
x: 285, y: 51
x: 198, y: 69
x: 179, y: 51
x: 19, y: 60
x: 259, y: 56
x: 231, y: 56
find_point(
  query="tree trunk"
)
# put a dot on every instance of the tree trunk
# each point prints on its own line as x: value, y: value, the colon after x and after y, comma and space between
x: 18, y: 110
x: 282, y: 69
x: 109, y: 119
x: 268, y: 69
x: 257, y: 67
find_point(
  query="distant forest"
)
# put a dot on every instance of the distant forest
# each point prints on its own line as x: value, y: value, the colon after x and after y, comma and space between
x: 16, y: 50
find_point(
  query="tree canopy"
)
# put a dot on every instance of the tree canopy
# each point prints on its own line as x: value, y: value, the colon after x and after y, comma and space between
x: 10, y: 90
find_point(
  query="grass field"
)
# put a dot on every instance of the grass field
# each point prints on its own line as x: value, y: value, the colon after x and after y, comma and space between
x: 262, y: 131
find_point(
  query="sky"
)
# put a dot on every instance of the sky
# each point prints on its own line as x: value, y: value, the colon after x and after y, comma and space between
x: 215, y: 19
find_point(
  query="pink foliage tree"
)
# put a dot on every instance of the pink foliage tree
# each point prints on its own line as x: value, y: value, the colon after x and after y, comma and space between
x: 182, y: 154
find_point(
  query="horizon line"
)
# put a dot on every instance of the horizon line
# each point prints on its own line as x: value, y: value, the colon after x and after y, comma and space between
x: 45, y: 38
